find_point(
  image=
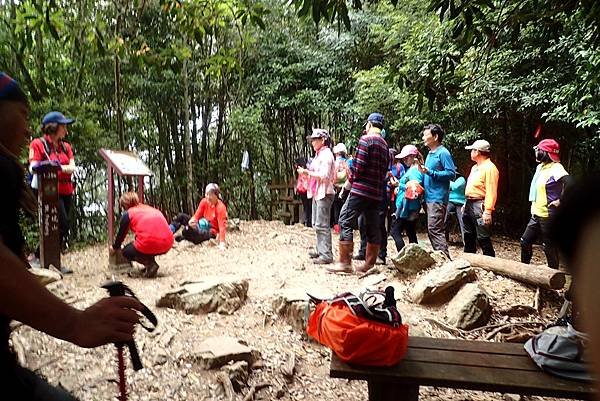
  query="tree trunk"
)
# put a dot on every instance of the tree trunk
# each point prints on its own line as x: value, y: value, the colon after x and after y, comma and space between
x: 118, y: 88
x: 187, y: 146
x: 540, y: 276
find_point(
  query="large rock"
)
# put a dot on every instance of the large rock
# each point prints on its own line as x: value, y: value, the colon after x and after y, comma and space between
x: 412, y: 259
x: 45, y: 276
x: 440, y: 284
x: 206, y: 296
x: 215, y: 352
x: 470, y: 308
x: 294, y: 307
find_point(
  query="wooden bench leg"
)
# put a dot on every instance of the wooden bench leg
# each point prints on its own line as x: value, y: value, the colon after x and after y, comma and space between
x: 382, y: 391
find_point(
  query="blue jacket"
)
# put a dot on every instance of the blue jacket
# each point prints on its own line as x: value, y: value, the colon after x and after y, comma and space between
x: 457, y: 191
x: 404, y: 207
x: 441, y: 171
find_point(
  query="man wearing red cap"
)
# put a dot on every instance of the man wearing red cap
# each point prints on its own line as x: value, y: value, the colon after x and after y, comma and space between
x: 547, y: 186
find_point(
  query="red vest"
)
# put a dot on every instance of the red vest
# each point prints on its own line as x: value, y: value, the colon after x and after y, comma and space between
x: 152, y: 233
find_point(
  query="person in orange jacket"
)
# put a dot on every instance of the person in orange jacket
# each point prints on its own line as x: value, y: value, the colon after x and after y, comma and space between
x: 209, y: 220
x: 481, y: 194
x: 152, y: 233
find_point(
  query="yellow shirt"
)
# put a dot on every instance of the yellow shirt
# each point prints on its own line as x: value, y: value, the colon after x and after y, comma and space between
x: 483, y: 184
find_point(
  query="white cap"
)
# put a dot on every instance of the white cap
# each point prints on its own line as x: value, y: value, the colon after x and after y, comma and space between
x: 340, y: 148
x: 481, y: 145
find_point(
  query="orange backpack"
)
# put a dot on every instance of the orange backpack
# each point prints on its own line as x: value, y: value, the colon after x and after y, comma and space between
x: 355, y: 338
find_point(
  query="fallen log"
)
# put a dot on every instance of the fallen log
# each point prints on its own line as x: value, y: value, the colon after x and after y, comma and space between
x: 540, y: 276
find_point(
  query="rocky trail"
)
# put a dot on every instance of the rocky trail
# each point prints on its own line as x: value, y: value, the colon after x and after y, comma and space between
x: 254, y: 295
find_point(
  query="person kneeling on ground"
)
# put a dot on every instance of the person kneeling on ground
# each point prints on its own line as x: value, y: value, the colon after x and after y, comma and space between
x: 152, y: 234
x: 209, y: 220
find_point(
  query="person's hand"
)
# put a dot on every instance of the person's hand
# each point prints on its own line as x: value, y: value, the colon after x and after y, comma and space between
x: 192, y: 223
x: 487, y: 218
x: 221, y: 246
x: 107, y: 321
x: 554, y: 203
x: 423, y: 169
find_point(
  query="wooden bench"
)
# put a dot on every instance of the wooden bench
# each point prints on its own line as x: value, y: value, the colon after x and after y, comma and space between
x: 460, y: 364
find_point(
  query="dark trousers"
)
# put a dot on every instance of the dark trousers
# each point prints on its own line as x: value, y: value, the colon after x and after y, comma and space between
x: 306, y: 209
x: 352, y: 209
x: 23, y: 384
x: 336, y: 208
x: 132, y: 254
x: 474, y: 229
x: 193, y: 235
x: 399, y: 225
x: 436, y: 215
x: 454, y: 210
x: 362, y: 229
x: 536, y: 226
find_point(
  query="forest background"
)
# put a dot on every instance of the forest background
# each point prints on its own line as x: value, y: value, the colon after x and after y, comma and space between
x: 191, y: 85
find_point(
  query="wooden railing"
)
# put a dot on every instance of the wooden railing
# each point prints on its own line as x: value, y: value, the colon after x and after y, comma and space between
x: 284, y: 204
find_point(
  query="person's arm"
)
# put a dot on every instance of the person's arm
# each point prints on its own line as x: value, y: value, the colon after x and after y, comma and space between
x: 448, y: 173
x: 69, y: 168
x: 222, y: 222
x: 567, y: 182
x: 198, y: 214
x: 491, y: 190
x: 360, y: 161
x: 123, y: 228
x: 22, y: 298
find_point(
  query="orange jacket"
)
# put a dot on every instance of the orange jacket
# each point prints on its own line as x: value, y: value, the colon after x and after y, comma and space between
x: 216, y: 216
x: 483, y: 184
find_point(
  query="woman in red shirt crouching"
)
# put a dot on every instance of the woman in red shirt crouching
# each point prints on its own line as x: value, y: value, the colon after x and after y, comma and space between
x: 152, y: 234
x: 209, y: 221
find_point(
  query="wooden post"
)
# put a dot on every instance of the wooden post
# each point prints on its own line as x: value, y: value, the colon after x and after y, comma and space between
x: 111, y: 205
x: 48, y: 214
x: 382, y: 391
x: 141, y: 188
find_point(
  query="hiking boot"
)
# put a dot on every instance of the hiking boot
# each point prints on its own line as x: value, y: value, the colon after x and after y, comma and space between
x: 358, y: 256
x: 179, y: 238
x: 313, y: 254
x: 151, y: 270
x: 345, y: 263
x: 380, y: 261
x: 322, y: 261
x: 370, y: 258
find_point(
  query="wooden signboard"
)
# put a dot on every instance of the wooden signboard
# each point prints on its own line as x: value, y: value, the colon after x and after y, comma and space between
x: 124, y: 163
x: 48, y: 214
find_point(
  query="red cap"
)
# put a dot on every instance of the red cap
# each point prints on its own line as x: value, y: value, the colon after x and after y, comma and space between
x: 550, y: 146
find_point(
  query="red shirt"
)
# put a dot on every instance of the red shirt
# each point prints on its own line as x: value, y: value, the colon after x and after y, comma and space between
x: 61, y: 153
x: 152, y: 233
x: 216, y: 216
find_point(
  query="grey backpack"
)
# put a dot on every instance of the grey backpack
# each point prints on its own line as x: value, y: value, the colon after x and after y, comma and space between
x: 559, y: 351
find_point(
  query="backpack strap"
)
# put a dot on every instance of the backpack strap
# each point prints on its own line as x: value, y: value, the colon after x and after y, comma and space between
x: 49, y: 150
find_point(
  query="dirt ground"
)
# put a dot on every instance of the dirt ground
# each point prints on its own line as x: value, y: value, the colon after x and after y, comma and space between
x: 272, y: 257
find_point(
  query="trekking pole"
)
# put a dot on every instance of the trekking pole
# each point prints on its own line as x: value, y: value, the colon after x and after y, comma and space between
x: 117, y: 289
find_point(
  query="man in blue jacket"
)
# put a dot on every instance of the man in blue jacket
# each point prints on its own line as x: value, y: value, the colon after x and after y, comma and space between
x: 439, y: 170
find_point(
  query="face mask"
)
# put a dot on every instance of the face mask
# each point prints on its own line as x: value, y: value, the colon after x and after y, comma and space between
x: 540, y: 155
